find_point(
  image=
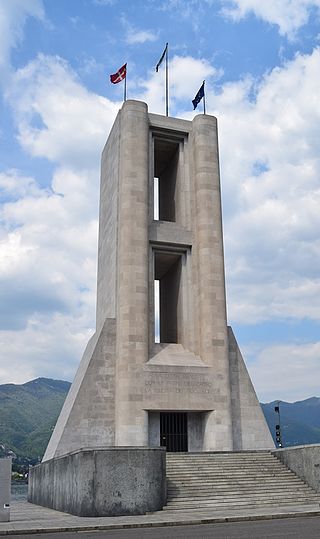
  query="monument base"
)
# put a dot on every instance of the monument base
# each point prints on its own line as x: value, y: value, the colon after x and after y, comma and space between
x: 102, y: 481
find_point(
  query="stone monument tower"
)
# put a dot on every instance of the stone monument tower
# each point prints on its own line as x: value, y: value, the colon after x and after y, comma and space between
x: 179, y: 382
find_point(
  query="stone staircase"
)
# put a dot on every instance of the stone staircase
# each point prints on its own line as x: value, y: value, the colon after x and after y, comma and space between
x: 248, y: 479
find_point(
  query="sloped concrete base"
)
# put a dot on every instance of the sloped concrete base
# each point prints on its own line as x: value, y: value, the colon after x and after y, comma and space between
x: 87, y: 417
x: 250, y: 429
x: 102, y: 482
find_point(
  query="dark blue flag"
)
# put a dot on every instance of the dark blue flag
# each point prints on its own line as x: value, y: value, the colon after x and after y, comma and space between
x: 198, y: 97
x: 162, y: 57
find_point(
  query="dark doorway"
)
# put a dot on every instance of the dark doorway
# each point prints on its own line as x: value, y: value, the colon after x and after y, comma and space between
x: 174, y: 431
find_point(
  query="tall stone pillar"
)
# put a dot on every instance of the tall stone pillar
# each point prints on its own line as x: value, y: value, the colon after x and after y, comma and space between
x: 212, y: 299
x: 132, y: 275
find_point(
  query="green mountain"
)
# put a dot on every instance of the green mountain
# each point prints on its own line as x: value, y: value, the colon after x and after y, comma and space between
x: 28, y: 413
x: 299, y: 421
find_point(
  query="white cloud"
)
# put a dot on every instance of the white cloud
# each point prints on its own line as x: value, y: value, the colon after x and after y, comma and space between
x: 47, y: 255
x: 13, y: 15
x: 48, y: 235
x: 13, y: 185
x: 57, y: 118
x: 185, y: 76
x: 104, y: 2
x: 193, y: 10
x: 288, y: 15
x: 271, y: 215
x: 287, y: 372
x: 47, y: 346
x: 135, y: 36
x: 48, y: 275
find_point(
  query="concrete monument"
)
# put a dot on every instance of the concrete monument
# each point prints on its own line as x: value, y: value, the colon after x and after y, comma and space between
x: 190, y: 391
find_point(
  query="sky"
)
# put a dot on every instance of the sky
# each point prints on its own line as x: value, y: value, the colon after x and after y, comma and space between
x: 261, y: 63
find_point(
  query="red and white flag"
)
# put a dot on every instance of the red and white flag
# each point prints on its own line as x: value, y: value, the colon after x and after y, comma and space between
x: 119, y: 75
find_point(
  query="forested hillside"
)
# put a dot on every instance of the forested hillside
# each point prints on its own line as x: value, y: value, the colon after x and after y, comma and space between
x: 28, y: 413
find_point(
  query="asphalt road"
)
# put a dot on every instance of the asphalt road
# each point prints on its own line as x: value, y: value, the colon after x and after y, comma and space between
x: 288, y: 528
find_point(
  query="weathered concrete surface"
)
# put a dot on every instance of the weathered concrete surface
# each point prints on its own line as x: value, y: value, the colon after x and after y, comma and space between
x: 213, y: 338
x: 102, y: 482
x: 88, y: 415
x: 5, y: 487
x: 250, y: 429
x: 303, y: 460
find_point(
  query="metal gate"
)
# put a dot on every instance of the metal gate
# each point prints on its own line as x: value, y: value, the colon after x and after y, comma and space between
x: 174, y: 431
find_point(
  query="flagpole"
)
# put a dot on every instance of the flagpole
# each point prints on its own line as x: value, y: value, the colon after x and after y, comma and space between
x: 167, y: 89
x: 125, y: 87
x: 204, y: 99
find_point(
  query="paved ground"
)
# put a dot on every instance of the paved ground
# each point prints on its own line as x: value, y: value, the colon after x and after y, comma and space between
x: 293, y: 528
x: 29, y: 519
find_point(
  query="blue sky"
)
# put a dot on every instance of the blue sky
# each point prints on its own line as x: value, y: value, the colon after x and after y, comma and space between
x: 261, y: 63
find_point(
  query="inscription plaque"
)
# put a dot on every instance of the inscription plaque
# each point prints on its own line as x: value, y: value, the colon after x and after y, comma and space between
x: 184, y: 384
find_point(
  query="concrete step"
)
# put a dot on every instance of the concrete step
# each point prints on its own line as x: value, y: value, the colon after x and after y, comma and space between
x: 224, y: 472
x: 242, y: 499
x: 230, y: 477
x: 239, y: 487
x: 228, y: 464
x: 218, y: 507
x: 216, y: 457
x: 236, y: 481
x: 238, y: 491
x: 215, y: 467
x: 236, y: 499
x: 210, y: 493
x: 233, y: 480
x: 184, y: 502
x: 295, y: 488
x: 246, y: 455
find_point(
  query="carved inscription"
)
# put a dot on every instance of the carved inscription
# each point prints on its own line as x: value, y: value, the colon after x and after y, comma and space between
x: 187, y: 383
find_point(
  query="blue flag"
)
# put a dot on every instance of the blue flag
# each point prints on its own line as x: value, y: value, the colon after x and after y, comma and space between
x: 198, y: 97
x: 162, y: 57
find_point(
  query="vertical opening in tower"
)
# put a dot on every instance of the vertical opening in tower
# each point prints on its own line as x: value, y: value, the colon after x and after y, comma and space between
x: 168, y: 273
x: 156, y: 311
x: 156, y: 199
x: 166, y: 159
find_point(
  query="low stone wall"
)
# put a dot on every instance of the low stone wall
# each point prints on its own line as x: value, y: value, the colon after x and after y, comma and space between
x: 303, y: 460
x: 102, y: 481
x: 5, y: 486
